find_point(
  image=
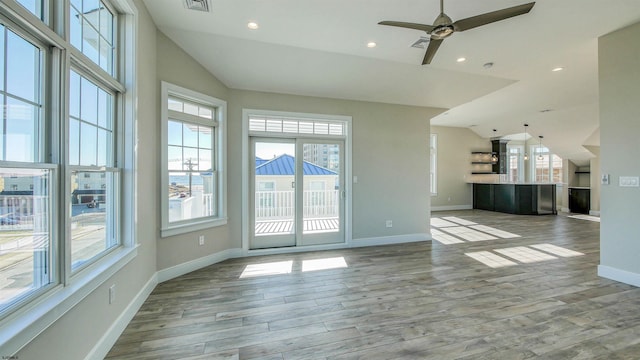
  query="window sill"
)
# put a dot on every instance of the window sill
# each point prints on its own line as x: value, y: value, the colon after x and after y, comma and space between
x: 19, y: 328
x: 193, y: 226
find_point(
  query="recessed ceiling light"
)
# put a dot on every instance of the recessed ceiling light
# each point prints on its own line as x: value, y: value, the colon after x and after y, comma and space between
x: 252, y: 25
x: 559, y: 68
x: 371, y: 44
x: 461, y: 59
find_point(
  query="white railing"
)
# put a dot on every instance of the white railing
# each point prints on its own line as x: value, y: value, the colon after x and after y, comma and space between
x: 281, y: 204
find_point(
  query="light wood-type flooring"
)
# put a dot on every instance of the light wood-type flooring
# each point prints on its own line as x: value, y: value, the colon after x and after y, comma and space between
x: 538, y: 297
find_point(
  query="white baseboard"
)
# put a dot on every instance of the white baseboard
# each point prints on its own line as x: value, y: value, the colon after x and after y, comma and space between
x: 193, y: 265
x: 104, y: 345
x: 623, y: 276
x: 565, y: 209
x: 451, y: 207
x: 387, y: 240
x: 594, y: 212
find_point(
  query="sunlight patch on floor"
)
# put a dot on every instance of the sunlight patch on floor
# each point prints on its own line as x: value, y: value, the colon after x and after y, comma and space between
x: 468, y: 234
x: 324, y: 264
x: 557, y: 250
x: 585, y: 217
x: 490, y: 259
x: 274, y: 268
x: 524, y: 254
x: 437, y: 222
x: 459, y: 221
x: 454, y: 230
x: 496, y: 232
x: 443, y: 238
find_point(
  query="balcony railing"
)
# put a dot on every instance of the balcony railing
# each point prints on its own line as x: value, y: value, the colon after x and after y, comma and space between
x: 277, y: 205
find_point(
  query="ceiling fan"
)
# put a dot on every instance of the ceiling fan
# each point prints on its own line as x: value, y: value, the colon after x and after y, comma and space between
x: 444, y: 27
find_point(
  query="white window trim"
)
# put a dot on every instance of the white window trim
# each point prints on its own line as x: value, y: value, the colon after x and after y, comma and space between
x: 433, y: 162
x: 21, y: 326
x: 521, y: 162
x: 347, y: 138
x: 220, y: 148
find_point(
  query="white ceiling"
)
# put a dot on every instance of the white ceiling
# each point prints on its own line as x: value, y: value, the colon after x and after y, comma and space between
x: 318, y: 48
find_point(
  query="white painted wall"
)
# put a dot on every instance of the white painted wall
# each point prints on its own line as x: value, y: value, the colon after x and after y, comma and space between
x: 619, y: 75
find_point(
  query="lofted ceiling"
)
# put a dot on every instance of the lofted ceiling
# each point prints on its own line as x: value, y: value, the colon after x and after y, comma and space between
x: 319, y: 48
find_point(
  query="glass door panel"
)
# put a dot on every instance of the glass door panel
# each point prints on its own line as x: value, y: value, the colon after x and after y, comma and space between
x: 273, y: 193
x: 322, y: 195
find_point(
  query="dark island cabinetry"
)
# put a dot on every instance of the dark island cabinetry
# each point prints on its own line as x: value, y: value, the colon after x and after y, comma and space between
x: 522, y: 199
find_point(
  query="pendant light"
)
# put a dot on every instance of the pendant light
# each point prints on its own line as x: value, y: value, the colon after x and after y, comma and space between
x: 494, y: 156
x: 540, y: 157
x: 526, y: 156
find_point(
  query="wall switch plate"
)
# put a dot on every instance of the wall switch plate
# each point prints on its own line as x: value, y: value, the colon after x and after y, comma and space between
x: 201, y: 240
x: 629, y: 181
x: 389, y: 223
x: 355, y: 179
x: 605, y: 179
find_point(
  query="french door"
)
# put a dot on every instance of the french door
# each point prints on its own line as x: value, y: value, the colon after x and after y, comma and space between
x: 297, y: 196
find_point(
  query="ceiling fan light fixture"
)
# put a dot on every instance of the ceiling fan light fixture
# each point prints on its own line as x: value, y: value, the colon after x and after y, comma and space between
x: 442, y: 32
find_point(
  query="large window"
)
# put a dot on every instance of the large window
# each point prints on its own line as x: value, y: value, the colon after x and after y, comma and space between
x: 193, y: 132
x: 547, y: 167
x: 62, y: 149
x: 433, y: 158
x: 516, y: 169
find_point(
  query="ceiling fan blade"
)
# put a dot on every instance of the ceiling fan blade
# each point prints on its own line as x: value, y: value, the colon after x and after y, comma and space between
x: 483, y: 19
x: 424, y: 27
x: 431, y: 50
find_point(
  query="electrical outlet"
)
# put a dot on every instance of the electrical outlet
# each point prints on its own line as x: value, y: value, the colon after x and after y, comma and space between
x: 112, y: 294
x: 201, y: 240
x: 389, y: 223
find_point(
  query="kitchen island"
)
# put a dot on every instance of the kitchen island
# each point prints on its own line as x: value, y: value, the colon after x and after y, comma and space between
x: 521, y: 199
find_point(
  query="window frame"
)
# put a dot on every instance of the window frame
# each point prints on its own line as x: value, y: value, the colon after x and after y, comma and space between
x: 28, y: 316
x: 433, y: 164
x: 536, y: 151
x: 219, y: 160
x: 521, y: 176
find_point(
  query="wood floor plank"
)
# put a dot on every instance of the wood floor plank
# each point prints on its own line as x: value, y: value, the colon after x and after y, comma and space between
x: 423, y: 300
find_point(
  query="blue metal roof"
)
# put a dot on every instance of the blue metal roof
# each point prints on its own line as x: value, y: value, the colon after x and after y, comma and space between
x: 284, y: 165
x: 260, y: 161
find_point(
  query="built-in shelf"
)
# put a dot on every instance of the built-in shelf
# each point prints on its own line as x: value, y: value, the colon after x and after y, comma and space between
x: 483, y: 152
x: 482, y: 172
x: 482, y: 162
x: 583, y: 172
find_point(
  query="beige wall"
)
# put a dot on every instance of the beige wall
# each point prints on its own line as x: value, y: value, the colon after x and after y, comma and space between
x: 454, y: 166
x: 77, y: 332
x: 619, y: 78
x: 176, y: 67
x: 594, y: 178
x: 390, y: 158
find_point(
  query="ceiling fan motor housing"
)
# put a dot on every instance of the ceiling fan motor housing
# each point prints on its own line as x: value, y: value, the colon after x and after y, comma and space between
x: 443, y: 27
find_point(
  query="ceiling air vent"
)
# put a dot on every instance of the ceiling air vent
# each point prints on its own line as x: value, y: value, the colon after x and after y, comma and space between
x: 421, y: 43
x: 199, y: 5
